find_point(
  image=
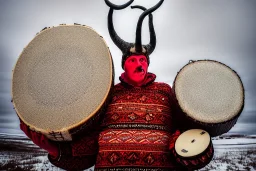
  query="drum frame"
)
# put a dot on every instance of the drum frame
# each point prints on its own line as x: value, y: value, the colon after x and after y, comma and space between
x: 208, y: 152
x: 73, y: 131
x: 214, y: 129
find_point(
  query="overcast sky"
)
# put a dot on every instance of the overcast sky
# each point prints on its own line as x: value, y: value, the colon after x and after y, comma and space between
x: 222, y: 30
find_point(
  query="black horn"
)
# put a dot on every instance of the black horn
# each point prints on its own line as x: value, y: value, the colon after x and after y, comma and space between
x: 138, y: 44
x: 121, y: 44
x: 118, y: 7
x: 152, y: 44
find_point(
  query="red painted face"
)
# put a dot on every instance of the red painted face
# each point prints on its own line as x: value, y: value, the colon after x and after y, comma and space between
x: 136, y: 68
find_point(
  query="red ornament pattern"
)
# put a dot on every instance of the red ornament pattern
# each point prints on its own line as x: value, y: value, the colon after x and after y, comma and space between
x: 137, y: 129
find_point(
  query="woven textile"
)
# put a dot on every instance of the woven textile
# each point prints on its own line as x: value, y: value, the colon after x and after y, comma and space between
x: 137, y: 129
x: 78, y: 154
x: 135, y: 135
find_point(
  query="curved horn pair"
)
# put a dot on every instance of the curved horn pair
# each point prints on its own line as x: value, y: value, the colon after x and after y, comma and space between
x: 138, y: 44
x: 152, y: 44
x: 123, y: 45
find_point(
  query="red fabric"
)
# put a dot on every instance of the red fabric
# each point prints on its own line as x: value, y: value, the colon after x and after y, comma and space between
x: 174, y: 137
x: 86, y: 145
x: 137, y: 128
x: 40, y: 140
x: 74, y: 162
x: 79, y: 154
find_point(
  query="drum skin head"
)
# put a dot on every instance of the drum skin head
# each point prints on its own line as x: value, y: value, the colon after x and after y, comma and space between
x: 61, y: 78
x: 192, y: 142
x: 209, y: 91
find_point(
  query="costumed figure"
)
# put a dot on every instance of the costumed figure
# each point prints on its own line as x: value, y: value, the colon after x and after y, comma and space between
x: 141, y: 124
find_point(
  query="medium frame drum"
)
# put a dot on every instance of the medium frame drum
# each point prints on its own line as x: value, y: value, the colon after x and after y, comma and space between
x: 62, y: 80
x: 193, y: 149
x: 210, y: 95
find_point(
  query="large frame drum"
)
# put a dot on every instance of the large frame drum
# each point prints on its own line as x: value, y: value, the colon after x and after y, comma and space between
x: 62, y: 80
x: 211, y: 96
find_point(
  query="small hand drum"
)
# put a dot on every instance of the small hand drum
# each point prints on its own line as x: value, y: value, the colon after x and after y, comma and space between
x: 193, y: 148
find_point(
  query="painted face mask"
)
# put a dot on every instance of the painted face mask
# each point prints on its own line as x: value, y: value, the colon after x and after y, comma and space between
x: 136, y: 67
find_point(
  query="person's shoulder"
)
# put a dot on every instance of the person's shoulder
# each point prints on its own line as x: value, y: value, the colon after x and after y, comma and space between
x: 118, y: 86
x: 162, y: 84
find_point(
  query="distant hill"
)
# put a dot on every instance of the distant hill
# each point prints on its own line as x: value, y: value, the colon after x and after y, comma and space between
x: 234, y: 136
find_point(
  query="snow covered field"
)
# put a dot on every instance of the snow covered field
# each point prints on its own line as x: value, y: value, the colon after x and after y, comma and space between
x: 231, y: 152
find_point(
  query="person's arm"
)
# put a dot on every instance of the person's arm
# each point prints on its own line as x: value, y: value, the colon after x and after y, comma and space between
x: 75, y: 155
x: 40, y: 140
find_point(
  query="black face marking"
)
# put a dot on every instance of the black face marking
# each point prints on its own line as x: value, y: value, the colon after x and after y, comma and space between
x: 184, y: 151
x: 202, y: 133
x: 139, y: 69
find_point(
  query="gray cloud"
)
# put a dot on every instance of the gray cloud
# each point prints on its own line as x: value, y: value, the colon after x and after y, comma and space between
x: 247, y: 117
x: 6, y: 107
x: 5, y: 82
x: 5, y: 62
x: 244, y: 128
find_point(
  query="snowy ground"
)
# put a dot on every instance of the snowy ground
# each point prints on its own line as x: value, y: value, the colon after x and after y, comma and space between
x: 231, y: 152
x: 237, y: 153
